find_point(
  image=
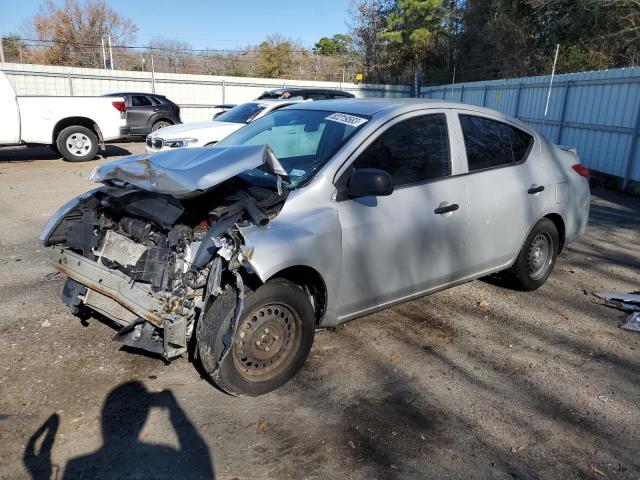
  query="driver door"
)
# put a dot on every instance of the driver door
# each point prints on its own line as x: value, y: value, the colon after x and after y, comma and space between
x: 413, y: 240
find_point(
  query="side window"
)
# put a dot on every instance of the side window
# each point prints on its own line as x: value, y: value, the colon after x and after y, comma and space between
x: 140, y: 101
x: 493, y: 144
x: 412, y: 151
x: 316, y: 96
x: 154, y: 100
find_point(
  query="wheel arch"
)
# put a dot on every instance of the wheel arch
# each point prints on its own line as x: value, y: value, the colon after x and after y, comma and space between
x: 162, y: 119
x: 558, y: 221
x: 310, y: 281
x: 76, y: 121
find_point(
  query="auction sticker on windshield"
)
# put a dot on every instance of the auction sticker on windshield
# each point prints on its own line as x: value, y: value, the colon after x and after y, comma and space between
x: 347, y: 119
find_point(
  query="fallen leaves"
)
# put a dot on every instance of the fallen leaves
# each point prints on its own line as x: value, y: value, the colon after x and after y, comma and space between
x: 262, y: 424
x: 483, y: 304
x: 394, y: 357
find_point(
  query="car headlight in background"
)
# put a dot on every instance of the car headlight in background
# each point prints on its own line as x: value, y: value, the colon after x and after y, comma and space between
x: 179, y: 142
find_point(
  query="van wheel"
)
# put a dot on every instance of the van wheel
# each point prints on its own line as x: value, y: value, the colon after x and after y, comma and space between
x: 272, y: 341
x: 536, y: 258
x: 77, y: 144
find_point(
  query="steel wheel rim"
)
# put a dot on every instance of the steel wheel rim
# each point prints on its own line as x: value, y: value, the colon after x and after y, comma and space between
x: 539, y: 256
x: 159, y: 125
x: 78, y: 144
x: 266, y: 341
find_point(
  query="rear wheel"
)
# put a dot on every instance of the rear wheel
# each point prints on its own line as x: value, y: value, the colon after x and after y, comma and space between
x: 271, y: 343
x: 536, y: 258
x: 77, y: 144
x: 160, y: 124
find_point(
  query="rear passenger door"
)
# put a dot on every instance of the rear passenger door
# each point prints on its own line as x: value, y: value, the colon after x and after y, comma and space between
x: 414, y: 239
x: 506, y: 184
x: 138, y: 113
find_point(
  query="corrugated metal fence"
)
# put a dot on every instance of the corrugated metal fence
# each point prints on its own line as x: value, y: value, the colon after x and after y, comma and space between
x: 596, y: 112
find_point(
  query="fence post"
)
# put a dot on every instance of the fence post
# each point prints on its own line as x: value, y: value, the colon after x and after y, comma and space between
x: 515, y: 115
x: 484, y: 96
x: 462, y: 94
x: 224, y: 96
x: 632, y: 151
x: 444, y: 93
x: 70, y: 84
x: 567, y: 86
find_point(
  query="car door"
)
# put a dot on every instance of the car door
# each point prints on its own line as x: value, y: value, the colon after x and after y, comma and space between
x: 506, y: 183
x: 414, y: 239
x: 138, y: 113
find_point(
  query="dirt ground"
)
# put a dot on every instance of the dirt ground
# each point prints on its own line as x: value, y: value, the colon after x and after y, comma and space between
x: 474, y: 382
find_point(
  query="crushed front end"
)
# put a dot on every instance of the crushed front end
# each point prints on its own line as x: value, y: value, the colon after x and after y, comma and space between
x: 150, y: 261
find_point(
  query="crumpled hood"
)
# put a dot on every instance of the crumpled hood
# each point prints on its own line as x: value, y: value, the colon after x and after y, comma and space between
x: 187, y: 172
x: 190, y: 129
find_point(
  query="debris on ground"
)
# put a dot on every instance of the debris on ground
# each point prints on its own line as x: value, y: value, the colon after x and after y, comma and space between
x: 394, y: 357
x: 597, y: 470
x: 352, y: 445
x: 483, y: 304
x: 627, y: 302
x: 262, y: 424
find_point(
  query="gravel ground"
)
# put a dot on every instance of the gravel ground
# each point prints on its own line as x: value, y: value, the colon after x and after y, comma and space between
x: 474, y: 382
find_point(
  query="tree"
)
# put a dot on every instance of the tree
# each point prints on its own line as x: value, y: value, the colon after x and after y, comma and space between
x: 276, y: 56
x: 339, y: 44
x: 170, y: 55
x: 71, y: 33
x: 14, y: 48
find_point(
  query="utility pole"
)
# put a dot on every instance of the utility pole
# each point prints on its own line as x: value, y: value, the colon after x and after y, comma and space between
x: 104, y: 55
x: 553, y: 72
x: 110, y: 51
x: 153, y: 76
x: 1, y: 50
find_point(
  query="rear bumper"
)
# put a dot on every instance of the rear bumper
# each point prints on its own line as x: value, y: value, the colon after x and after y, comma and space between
x: 125, y: 131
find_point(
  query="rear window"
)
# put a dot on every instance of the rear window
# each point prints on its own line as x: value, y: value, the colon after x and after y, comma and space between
x: 243, y: 113
x: 491, y: 144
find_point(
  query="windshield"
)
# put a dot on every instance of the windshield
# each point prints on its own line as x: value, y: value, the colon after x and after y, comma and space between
x: 243, y: 113
x: 303, y: 141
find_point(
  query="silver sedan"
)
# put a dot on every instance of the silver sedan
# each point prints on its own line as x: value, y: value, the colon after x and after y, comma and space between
x: 311, y: 216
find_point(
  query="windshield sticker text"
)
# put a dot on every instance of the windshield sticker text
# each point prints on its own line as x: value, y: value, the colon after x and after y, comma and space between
x: 347, y: 119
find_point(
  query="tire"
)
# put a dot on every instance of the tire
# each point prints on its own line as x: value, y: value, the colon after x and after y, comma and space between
x: 536, y: 258
x: 160, y: 124
x: 272, y: 341
x: 77, y: 144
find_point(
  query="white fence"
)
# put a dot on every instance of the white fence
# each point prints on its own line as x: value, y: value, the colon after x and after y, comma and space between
x: 196, y: 94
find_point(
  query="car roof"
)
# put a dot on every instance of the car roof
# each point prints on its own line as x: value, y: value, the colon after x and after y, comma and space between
x: 133, y: 93
x: 374, y: 106
x: 280, y: 91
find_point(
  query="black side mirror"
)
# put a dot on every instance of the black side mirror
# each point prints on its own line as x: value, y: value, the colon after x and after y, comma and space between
x: 366, y: 182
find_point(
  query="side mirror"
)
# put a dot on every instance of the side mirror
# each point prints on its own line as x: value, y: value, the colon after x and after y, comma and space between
x: 366, y: 182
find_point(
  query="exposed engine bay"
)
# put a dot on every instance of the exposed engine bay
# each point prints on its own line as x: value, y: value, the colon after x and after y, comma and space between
x: 150, y: 262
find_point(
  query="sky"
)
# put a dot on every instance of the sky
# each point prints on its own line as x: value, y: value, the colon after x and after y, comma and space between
x: 219, y: 24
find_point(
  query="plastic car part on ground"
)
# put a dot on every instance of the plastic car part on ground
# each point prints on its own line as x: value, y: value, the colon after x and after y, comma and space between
x: 629, y: 302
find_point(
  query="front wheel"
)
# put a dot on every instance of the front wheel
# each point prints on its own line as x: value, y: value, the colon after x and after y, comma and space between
x: 536, y: 258
x: 77, y: 144
x: 271, y: 343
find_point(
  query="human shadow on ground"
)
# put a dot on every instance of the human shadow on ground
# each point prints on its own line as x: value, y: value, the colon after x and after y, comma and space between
x: 122, y: 454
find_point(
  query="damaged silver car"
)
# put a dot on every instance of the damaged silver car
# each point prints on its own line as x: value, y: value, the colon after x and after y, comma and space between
x: 309, y: 217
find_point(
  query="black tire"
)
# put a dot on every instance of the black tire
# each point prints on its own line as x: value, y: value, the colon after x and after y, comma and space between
x: 278, y: 314
x: 533, y: 266
x: 77, y: 144
x: 160, y: 124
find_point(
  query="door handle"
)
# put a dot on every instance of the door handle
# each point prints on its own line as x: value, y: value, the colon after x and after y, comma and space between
x: 449, y: 208
x: 533, y: 189
x: 156, y: 109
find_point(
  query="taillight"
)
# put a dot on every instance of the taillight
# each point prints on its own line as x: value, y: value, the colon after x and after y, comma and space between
x: 581, y: 170
x: 120, y: 106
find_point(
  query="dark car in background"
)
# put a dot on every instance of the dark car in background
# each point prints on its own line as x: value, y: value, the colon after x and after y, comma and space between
x: 148, y: 112
x: 304, y: 94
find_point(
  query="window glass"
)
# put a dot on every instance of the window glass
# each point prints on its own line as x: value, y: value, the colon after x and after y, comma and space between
x: 303, y: 141
x: 412, y: 151
x: 154, y: 100
x: 140, y: 101
x: 243, y: 113
x: 492, y: 144
x: 316, y: 96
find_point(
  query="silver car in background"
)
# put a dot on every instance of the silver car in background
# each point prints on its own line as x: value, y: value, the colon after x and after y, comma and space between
x: 316, y: 214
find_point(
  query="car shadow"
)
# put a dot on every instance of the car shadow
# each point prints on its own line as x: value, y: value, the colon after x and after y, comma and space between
x: 28, y: 154
x: 122, y: 454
